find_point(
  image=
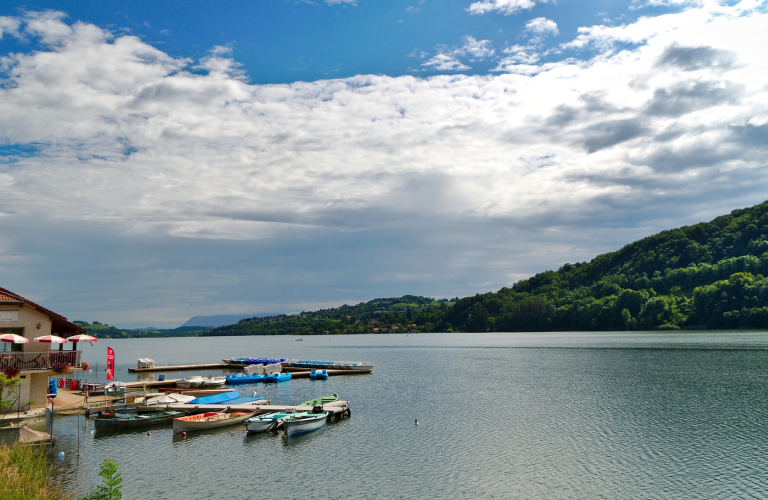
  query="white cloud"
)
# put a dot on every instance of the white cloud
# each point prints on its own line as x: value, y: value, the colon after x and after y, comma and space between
x: 542, y: 26
x: 9, y: 25
x: 131, y: 141
x: 505, y: 7
x: 475, y: 49
x: 444, y: 62
x: 341, y: 2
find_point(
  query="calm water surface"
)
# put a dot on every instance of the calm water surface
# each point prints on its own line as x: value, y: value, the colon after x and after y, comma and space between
x: 556, y: 415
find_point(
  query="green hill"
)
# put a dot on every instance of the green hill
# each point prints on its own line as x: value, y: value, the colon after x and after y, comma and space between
x: 709, y: 275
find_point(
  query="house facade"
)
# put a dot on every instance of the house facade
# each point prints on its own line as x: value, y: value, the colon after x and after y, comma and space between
x: 35, y: 360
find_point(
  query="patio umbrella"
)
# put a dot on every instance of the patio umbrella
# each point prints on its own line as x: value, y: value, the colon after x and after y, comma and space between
x: 13, y: 338
x: 81, y: 338
x: 50, y: 339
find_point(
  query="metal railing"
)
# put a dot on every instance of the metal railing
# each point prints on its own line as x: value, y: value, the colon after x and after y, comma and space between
x: 39, y: 360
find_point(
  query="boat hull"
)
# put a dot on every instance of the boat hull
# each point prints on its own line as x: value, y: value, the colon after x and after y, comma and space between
x: 246, y: 379
x: 138, y: 421
x: 207, y: 421
x: 304, y: 425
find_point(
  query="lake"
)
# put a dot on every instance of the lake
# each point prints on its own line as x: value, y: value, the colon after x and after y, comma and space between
x: 512, y: 415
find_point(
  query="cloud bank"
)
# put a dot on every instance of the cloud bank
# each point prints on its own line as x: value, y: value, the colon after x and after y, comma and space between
x: 374, y: 184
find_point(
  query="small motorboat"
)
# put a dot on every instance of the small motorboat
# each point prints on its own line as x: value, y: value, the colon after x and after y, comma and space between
x: 318, y: 374
x: 212, y: 382
x: 147, y: 419
x: 299, y: 423
x: 277, y: 377
x: 190, y: 382
x: 209, y: 420
x: 242, y: 378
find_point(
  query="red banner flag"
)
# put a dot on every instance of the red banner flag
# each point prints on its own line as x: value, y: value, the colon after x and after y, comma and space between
x: 110, y: 364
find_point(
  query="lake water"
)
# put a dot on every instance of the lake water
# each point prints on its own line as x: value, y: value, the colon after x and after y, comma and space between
x: 552, y: 415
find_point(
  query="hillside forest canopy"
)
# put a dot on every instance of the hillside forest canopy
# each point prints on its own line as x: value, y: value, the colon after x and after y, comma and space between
x: 708, y: 275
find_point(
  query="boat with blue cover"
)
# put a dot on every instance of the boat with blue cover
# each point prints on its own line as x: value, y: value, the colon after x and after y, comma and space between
x: 318, y: 374
x: 216, y: 398
x: 243, y: 378
x: 277, y: 377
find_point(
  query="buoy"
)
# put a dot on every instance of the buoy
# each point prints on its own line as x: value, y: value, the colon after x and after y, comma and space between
x: 416, y: 422
x: 149, y: 433
x: 61, y: 454
x: 183, y: 434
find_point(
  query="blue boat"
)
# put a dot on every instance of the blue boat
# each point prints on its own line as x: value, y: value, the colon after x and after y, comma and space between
x: 277, y: 377
x: 244, y: 379
x: 318, y: 374
x: 216, y: 398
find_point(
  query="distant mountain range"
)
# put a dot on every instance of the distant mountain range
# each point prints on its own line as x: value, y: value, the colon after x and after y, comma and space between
x: 222, y: 319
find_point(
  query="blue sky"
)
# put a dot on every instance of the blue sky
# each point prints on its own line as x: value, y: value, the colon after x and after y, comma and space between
x: 160, y: 160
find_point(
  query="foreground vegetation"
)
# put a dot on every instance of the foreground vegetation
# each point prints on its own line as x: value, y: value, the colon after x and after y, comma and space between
x: 709, y: 275
x: 25, y: 474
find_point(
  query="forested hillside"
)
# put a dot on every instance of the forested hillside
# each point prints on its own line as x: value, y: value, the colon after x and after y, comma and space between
x: 709, y: 275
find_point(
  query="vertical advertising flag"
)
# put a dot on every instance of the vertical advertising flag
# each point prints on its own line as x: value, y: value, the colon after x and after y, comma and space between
x: 110, y: 364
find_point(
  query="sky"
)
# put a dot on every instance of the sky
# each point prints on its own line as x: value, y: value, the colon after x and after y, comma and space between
x: 161, y: 160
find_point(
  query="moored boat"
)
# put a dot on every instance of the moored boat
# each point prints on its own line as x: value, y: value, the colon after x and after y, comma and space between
x: 215, y: 398
x: 195, y: 392
x: 264, y: 423
x: 211, y: 382
x: 299, y: 423
x: 144, y: 420
x: 322, y: 400
x: 242, y: 378
x: 190, y: 382
x: 209, y: 420
x: 168, y: 399
x: 318, y: 374
x: 277, y: 377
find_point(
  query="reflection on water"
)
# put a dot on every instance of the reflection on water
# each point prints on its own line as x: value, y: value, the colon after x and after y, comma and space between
x: 571, y: 415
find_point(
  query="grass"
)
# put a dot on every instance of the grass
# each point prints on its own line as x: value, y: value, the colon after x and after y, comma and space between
x: 25, y: 474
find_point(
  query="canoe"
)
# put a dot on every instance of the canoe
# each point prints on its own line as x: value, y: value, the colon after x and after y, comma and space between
x: 322, y: 400
x: 277, y: 377
x: 304, y: 422
x: 209, y: 420
x: 244, y: 379
x: 190, y: 382
x: 264, y: 423
x: 216, y: 398
x: 318, y: 374
x: 212, y: 382
x: 144, y: 420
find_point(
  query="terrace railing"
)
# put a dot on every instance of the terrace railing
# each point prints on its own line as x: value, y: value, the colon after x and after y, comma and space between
x: 38, y: 360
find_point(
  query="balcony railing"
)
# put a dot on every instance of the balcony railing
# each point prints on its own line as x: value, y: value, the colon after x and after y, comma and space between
x: 39, y: 360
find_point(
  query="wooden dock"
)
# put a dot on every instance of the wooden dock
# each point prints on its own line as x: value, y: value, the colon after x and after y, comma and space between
x: 209, y: 366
